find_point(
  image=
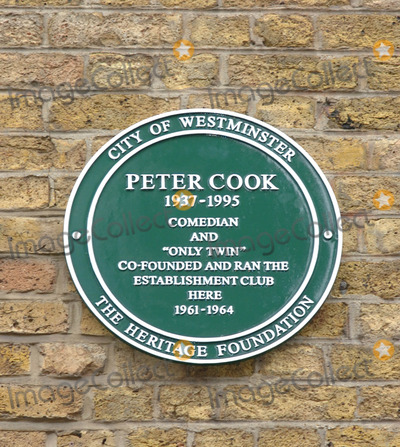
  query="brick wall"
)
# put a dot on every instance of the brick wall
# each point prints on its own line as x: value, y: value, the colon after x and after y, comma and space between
x: 75, y: 72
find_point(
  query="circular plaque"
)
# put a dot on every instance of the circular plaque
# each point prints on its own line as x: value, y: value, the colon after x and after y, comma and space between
x: 203, y: 236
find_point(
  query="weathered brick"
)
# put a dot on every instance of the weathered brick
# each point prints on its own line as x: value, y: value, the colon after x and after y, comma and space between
x: 190, y: 402
x: 143, y: 367
x: 20, y: 30
x: 357, y: 362
x: 364, y: 113
x: 382, y: 236
x: 336, y: 154
x: 109, y: 71
x: 290, y: 403
x: 49, y: 70
x: 383, y: 75
x: 108, y: 111
x: 41, y: 153
x: 223, y: 438
x: 358, y: 31
x: 90, y: 325
x: 199, y: 71
x: 189, y: 4
x: 24, y: 192
x: 379, y: 403
x: 358, y: 436
x: 384, y: 4
x: 22, y: 438
x: 329, y: 322
x: 290, y: 73
x: 357, y: 193
x: 266, y: 3
x: 25, y: 275
x: 220, y: 31
x: 122, y: 3
x: 46, y: 402
x: 362, y: 278
x: 285, y: 30
x: 40, y: 2
x: 62, y: 191
x: 77, y: 30
x: 14, y: 360
x: 156, y: 437
x: 33, y: 317
x: 87, y: 439
x: 379, y: 321
x: 61, y: 359
x: 244, y: 368
x: 285, y: 359
x: 123, y: 404
x: 24, y: 235
x: 20, y: 112
x: 287, y: 112
x: 289, y: 437
x: 218, y: 100
x: 350, y: 240
x: 386, y: 155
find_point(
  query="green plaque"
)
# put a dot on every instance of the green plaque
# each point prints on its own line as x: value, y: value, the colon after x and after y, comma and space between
x: 203, y: 236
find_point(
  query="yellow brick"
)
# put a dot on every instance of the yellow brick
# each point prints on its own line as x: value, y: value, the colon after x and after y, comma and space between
x: 86, y: 439
x: 284, y: 360
x: 24, y: 235
x: 22, y: 439
x: 285, y: 30
x: 108, y: 111
x: 35, y: 402
x: 265, y: 3
x: 386, y: 155
x: 357, y: 193
x: 379, y: 321
x: 362, y: 278
x: 123, y: 404
x: 24, y: 192
x: 287, y: 112
x: 379, y: 403
x: 243, y: 368
x: 20, y: 30
x: 364, y: 113
x: 77, y: 30
x: 40, y: 153
x: 108, y: 71
x: 62, y: 191
x: 155, y: 437
x: 90, y: 325
x: 339, y: 154
x: 123, y: 3
x: 383, y: 75
x: 220, y: 31
x: 215, y: 100
x: 33, y: 317
x: 290, y: 403
x: 284, y: 73
x: 358, y: 31
x: 49, y: 70
x: 382, y: 236
x: 185, y: 402
x: 224, y: 438
x: 289, y: 437
x: 20, y: 112
x: 14, y: 360
x: 329, y: 322
x: 358, y: 436
x: 199, y: 71
x: 189, y: 4
x: 358, y: 362
x: 386, y: 4
x: 40, y: 2
x: 61, y: 359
